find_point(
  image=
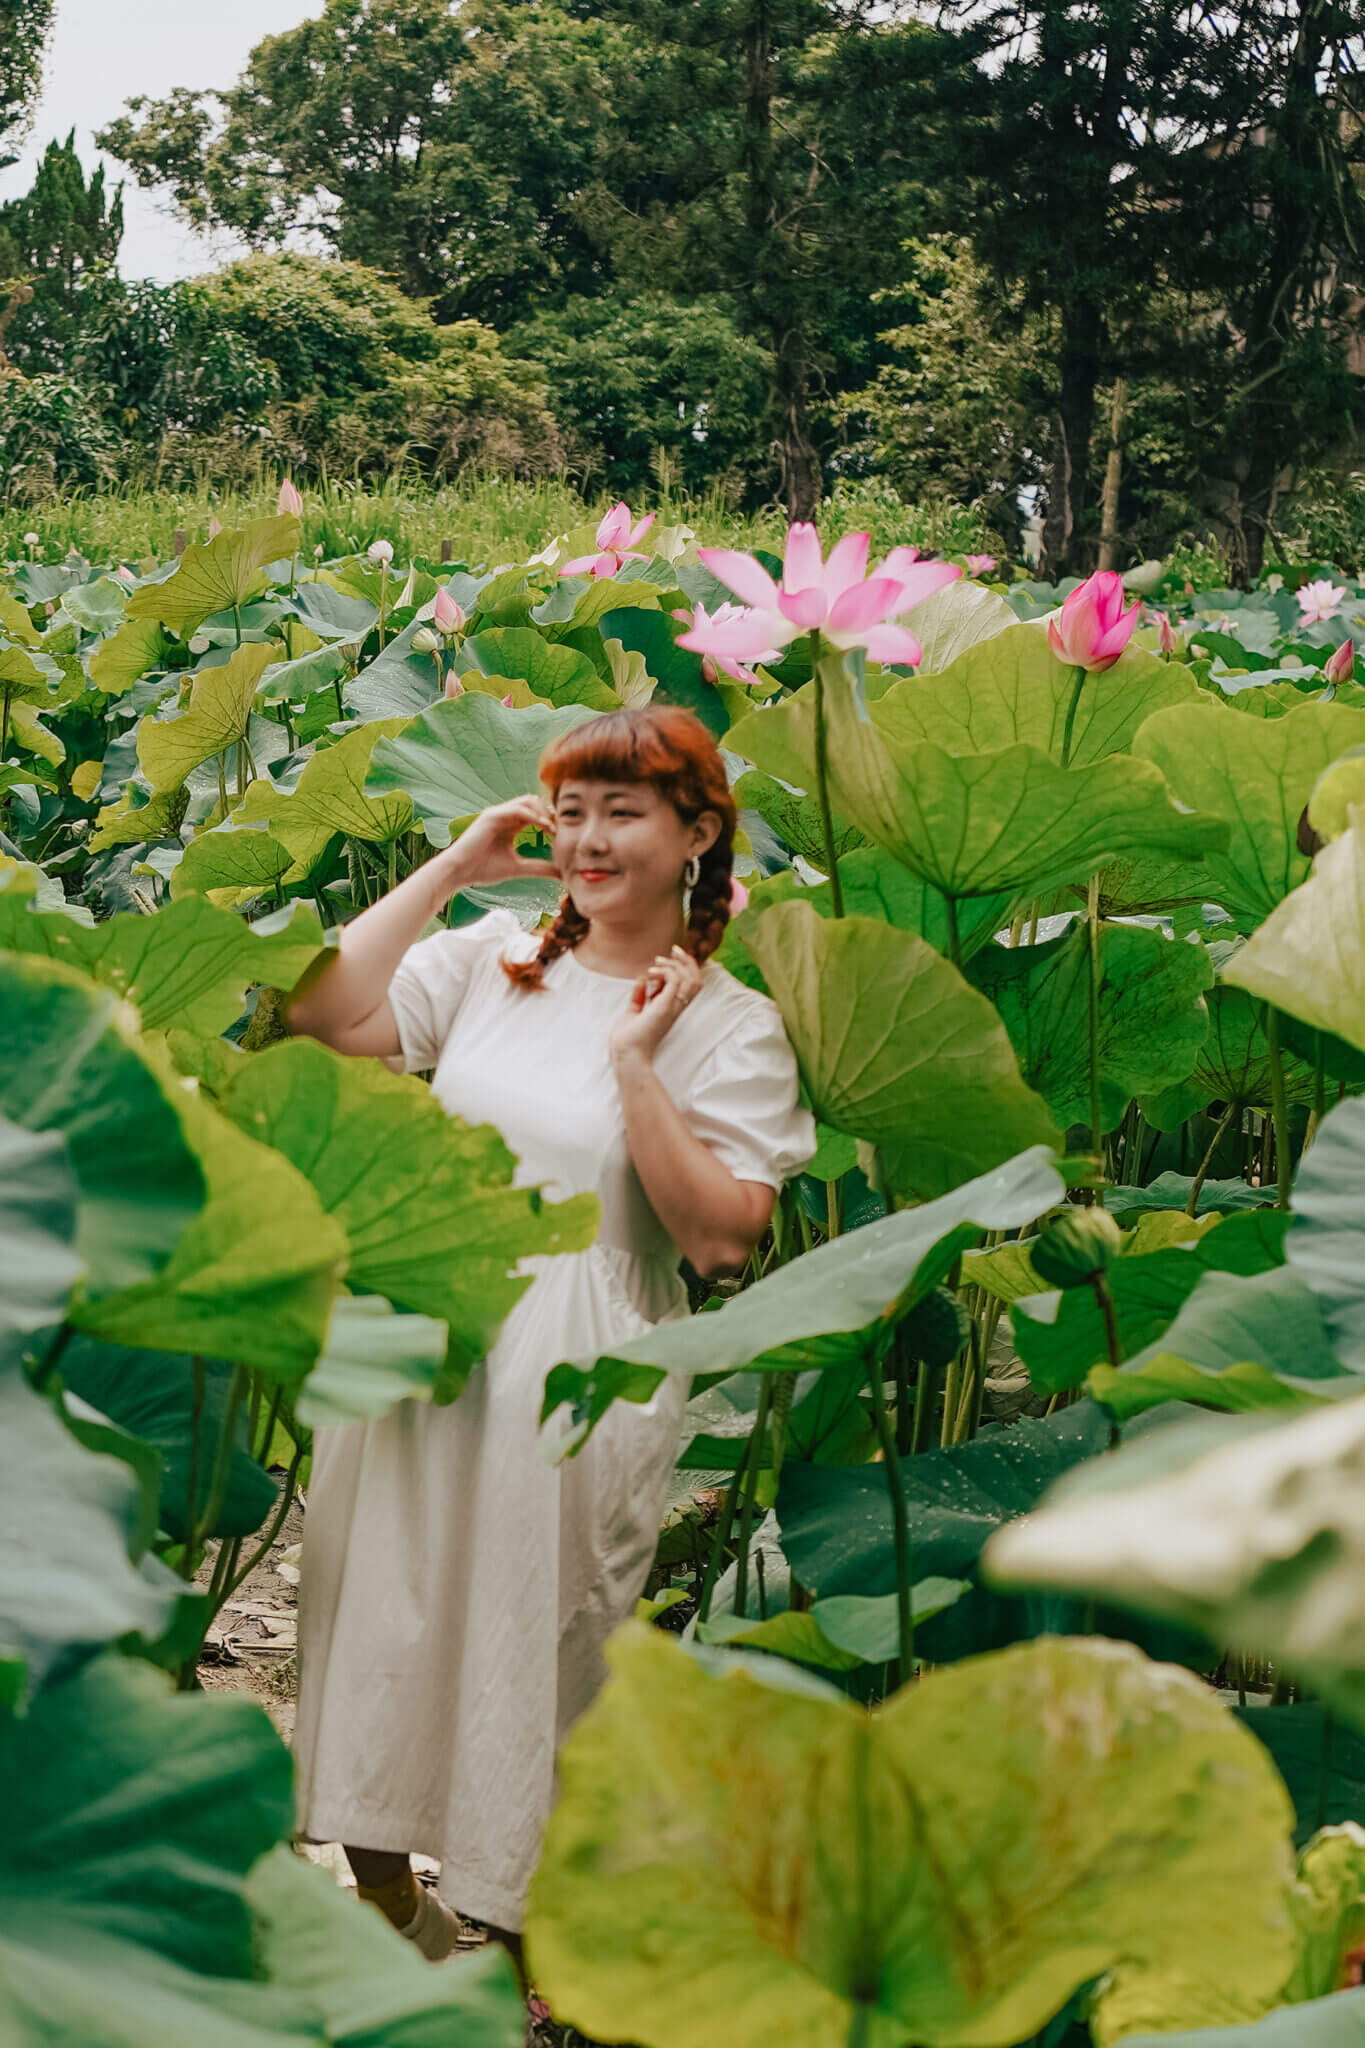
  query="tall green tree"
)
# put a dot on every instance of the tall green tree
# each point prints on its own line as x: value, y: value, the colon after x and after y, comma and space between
x: 56, y: 243
x: 25, y: 26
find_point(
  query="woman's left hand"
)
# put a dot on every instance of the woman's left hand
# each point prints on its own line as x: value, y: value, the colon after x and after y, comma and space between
x: 657, y: 1001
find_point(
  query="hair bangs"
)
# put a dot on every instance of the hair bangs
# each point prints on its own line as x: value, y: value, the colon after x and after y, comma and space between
x: 623, y: 746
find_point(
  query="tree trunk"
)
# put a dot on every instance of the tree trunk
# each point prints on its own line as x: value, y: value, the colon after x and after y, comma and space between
x: 1113, y: 477
x: 1068, y: 494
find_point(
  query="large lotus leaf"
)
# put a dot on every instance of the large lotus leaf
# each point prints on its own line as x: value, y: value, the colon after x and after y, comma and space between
x: 895, y: 1047
x: 1234, y: 1063
x: 330, y: 612
x: 1320, y: 1758
x: 1060, y: 1336
x: 1258, y: 777
x: 1244, y: 1388
x: 466, y: 753
x: 1326, y: 1243
x: 69, y: 1543
x: 126, y: 823
x: 39, y: 1206
x: 976, y: 823
x: 190, y: 965
x: 1309, y: 955
x: 132, y: 1816
x: 873, y: 885
x: 1013, y: 688
x: 808, y: 1857
x: 150, y: 1394
x: 426, y: 1201
x: 15, y: 622
x: 230, y: 865
x: 26, y: 730
x: 1009, y: 1274
x: 1272, y: 1318
x: 331, y: 796
x: 1172, y: 1191
x: 1144, y: 885
x: 955, y: 618
x: 398, y: 683
x: 828, y: 1307
x: 317, y: 669
x: 677, y: 672
x: 252, y: 1277
x: 70, y: 1062
x: 26, y: 677
x: 794, y: 817
x: 1256, y: 1540
x: 1152, y: 1015
x: 215, y: 575
x: 125, y: 657
x: 216, y: 718
x: 367, y: 1986
x: 374, y: 1356
x: 556, y: 675
x: 97, y: 606
x: 578, y: 602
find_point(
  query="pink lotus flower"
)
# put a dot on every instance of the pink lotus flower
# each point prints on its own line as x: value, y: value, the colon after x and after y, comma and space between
x: 289, y: 499
x: 1340, y: 667
x: 980, y: 565
x: 447, y: 616
x: 835, y: 598
x: 215, y: 528
x: 739, y: 897
x: 1318, y: 601
x: 507, y: 701
x: 454, y: 687
x: 713, y: 665
x: 616, y: 539
x: 1094, y: 628
x: 1166, y: 636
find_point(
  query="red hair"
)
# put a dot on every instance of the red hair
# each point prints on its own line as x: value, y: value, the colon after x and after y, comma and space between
x: 674, y: 753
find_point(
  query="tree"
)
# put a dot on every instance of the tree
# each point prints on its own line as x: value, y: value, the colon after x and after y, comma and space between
x: 24, y: 29
x: 55, y: 241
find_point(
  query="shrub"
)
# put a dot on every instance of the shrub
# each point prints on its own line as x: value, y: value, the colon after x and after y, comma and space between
x: 52, y: 436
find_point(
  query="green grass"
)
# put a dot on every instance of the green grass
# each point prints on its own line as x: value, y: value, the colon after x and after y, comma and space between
x: 486, y: 520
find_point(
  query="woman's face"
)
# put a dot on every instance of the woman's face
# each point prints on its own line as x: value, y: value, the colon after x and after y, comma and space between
x: 622, y: 848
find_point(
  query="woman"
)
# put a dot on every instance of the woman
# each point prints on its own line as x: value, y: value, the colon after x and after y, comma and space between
x: 458, y: 1585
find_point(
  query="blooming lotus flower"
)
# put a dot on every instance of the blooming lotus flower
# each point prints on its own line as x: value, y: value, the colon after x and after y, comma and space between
x: 381, y: 551
x: 1340, y: 667
x: 215, y: 528
x: 1094, y: 628
x: 739, y: 897
x: 447, y: 616
x: 980, y: 565
x: 1318, y: 601
x: 616, y: 539
x: 289, y: 499
x: 714, y: 665
x: 835, y: 598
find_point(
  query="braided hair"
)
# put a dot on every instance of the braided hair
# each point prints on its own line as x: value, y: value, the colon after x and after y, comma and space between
x: 674, y: 753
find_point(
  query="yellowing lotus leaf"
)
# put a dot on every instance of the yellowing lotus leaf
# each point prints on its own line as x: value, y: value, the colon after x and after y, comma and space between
x: 215, y: 575
x: 215, y: 718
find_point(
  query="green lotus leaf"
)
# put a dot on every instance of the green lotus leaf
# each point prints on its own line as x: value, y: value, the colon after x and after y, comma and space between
x: 70, y: 1062
x: 466, y: 753
x: 578, y: 602
x: 331, y: 796
x: 869, y: 1629
x: 1172, y: 1191
x: 286, y: 682
x: 398, y: 683
x: 1271, y: 1318
x: 230, y: 864
x: 1152, y: 1014
x: 1251, y: 1538
x: 1244, y: 1388
x: 793, y: 816
x: 125, y: 657
x: 1336, y: 2022
x: 1320, y: 1758
x: 29, y: 776
x: 97, y: 606
x: 1234, y: 1063
x: 374, y: 1356
x: 127, y: 823
x: 829, y: 1307
x: 1309, y: 955
x: 1327, y: 1237
x: 254, y: 1274
x: 797, y: 1637
x: 1256, y: 777
x: 1012, y: 688
x: 132, y: 1817
x: 26, y: 729
x: 677, y: 673
x: 555, y: 675
x: 426, y: 1201
x: 216, y: 718
x: 978, y: 823
x: 955, y: 618
x: 895, y: 1047
x: 213, y: 576
x: 74, y: 1529
x: 810, y: 1858
x: 329, y: 611
x: 1060, y: 1336
x: 26, y: 677
x: 39, y: 1209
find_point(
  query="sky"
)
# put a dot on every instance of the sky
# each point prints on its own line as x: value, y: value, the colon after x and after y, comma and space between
x: 102, y: 53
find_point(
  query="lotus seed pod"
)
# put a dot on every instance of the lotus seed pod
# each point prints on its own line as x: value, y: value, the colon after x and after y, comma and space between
x: 1076, y: 1247
x: 424, y: 641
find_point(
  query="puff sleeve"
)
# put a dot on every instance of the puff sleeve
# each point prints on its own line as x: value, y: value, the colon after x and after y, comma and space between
x: 432, y: 979
x: 745, y: 1103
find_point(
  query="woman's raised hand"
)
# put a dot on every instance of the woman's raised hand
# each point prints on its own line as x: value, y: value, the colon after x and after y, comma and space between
x: 657, y: 1001
x: 486, y: 852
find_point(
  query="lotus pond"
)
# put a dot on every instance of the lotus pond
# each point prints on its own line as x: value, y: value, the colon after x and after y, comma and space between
x: 1015, y: 1684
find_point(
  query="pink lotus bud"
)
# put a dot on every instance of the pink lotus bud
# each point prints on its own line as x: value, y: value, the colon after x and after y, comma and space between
x: 215, y: 528
x: 1094, y: 629
x: 447, y: 616
x: 454, y: 687
x: 289, y: 499
x: 1167, y: 637
x: 1341, y: 666
x: 739, y: 897
x: 683, y: 617
x: 507, y: 701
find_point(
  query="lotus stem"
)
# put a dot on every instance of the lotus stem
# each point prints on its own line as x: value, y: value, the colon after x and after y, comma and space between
x: 1192, y: 1206
x: 1077, y: 685
x: 276, y: 1523
x: 724, y: 1524
x: 753, y: 1466
x: 954, y: 934
x: 900, y: 1530
x: 222, y: 1461
x: 1279, y: 1107
x: 822, y: 781
x: 198, y: 1382
x: 237, y: 622
x: 1093, y: 959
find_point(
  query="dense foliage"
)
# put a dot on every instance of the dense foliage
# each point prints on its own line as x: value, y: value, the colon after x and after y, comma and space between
x: 1048, y: 1368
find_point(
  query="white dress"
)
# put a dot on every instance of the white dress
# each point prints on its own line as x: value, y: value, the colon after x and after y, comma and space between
x: 458, y: 1584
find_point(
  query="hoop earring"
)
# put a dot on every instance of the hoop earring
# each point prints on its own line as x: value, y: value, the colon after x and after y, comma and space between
x: 691, y: 877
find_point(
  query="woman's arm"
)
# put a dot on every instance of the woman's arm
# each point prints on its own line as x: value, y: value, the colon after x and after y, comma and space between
x: 713, y: 1218
x: 343, y: 999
